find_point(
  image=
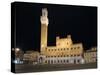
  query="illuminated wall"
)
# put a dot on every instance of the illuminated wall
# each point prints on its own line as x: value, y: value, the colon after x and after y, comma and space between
x: 44, y: 29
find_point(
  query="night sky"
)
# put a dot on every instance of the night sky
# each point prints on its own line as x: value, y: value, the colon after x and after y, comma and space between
x: 79, y: 21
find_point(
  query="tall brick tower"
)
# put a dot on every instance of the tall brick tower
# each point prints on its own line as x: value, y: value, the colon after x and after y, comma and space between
x: 44, y: 28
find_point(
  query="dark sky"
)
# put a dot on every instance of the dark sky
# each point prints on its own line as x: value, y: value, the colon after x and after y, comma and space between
x: 79, y: 21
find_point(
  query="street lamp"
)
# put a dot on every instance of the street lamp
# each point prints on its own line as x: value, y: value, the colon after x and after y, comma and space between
x: 17, y: 49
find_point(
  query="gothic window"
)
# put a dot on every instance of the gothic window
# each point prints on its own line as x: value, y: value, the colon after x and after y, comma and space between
x: 48, y: 49
x: 58, y: 49
x: 64, y: 61
x: 74, y: 47
x: 48, y: 61
x: 78, y: 47
x: 67, y: 48
x: 45, y: 61
x: 58, y: 61
x: 45, y: 48
x: 61, y: 61
x: 78, y: 61
x: 67, y: 61
x: 64, y: 48
x: 71, y: 48
x: 51, y: 61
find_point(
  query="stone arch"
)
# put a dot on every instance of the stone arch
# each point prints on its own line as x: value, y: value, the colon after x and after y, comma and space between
x: 41, y: 60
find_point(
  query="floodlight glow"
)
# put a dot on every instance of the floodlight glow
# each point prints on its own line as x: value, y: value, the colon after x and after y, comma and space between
x: 17, y: 49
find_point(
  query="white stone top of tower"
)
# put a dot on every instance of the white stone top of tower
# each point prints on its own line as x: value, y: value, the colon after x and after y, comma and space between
x: 44, y: 12
x: 44, y: 17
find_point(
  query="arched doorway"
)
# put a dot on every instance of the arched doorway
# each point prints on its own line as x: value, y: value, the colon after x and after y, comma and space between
x: 74, y: 61
x: 41, y: 60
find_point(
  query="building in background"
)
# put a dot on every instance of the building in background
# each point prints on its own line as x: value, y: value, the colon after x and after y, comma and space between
x: 31, y: 57
x: 18, y: 55
x: 90, y: 56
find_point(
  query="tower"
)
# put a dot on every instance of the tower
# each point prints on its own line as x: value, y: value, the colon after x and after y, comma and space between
x: 44, y: 28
